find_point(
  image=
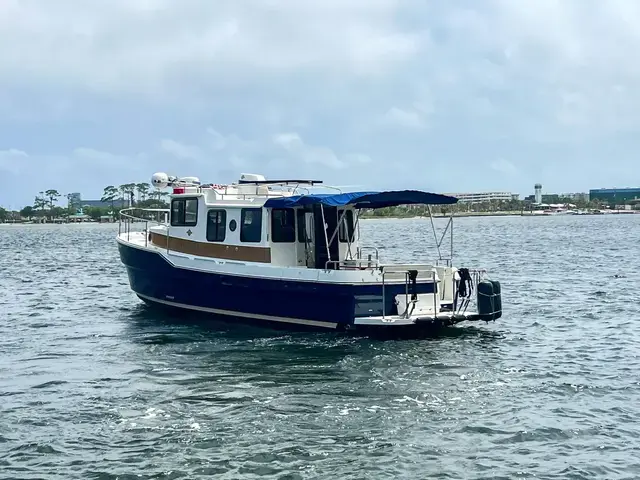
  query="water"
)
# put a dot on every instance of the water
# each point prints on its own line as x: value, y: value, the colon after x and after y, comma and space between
x: 94, y: 386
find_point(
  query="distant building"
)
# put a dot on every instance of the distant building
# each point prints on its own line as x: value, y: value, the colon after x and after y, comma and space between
x: 118, y: 202
x: 75, y: 200
x: 583, y: 197
x: 538, y: 192
x: 614, y: 195
x: 484, y: 197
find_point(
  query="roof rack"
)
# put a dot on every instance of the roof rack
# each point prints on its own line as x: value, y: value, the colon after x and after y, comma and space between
x: 279, y: 182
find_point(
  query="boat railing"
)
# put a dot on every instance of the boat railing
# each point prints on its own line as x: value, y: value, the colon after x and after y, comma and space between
x: 141, y: 216
x: 247, y: 196
x: 459, y: 306
x: 359, y: 253
x: 356, y: 263
x: 408, y: 271
x: 477, y: 275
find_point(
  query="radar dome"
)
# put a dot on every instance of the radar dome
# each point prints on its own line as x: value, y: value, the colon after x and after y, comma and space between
x: 160, y: 180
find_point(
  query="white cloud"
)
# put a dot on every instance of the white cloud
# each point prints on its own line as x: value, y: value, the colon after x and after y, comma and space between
x: 404, y: 118
x: 357, y: 158
x: 293, y: 144
x: 13, y: 160
x: 549, y: 82
x: 504, y: 166
x: 180, y: 150
x: 218, y: 141
x: 144, y: 46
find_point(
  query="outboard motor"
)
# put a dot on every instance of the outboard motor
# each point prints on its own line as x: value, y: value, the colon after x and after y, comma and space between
x: 489, y: 300
x: 497, y: 299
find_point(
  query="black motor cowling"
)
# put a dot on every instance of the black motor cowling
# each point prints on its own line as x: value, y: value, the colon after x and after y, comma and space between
x: 489, y: 300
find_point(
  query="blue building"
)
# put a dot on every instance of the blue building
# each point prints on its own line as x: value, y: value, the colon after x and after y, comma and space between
x: 614, y: 196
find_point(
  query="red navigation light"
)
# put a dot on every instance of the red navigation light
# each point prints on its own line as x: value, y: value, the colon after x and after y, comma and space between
x: 178, y: 190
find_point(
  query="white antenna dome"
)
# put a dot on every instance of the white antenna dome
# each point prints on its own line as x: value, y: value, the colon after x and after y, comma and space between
x: 160, y: 180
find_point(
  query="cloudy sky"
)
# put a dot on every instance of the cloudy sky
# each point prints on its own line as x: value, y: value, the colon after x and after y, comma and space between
x: 441, y: 95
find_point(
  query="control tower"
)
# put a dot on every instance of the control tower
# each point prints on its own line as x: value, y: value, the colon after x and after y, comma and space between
x: 538, y: 191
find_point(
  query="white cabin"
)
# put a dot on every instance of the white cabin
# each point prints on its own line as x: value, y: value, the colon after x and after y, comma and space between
x: 231, y: 222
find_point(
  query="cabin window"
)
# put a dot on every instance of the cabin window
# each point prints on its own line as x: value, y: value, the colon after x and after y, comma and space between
x: 184, y: 212
x: 302, y: 225
x: 251, y: 225
x: 345, y: 233
x: 283, y: 225
x: 216, y: 225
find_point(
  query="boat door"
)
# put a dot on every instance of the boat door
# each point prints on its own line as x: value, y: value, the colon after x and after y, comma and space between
x: 325, y: 220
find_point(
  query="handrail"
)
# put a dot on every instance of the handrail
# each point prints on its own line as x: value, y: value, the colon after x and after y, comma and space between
x: 356, y: 263
x: 406, y: 271
x: 126, y: 219
x: 367, y: 247
x: 405, y: 267
x: 477, y: 274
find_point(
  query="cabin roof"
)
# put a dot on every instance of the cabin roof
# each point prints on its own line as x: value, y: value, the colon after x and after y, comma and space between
x: 363, y: 199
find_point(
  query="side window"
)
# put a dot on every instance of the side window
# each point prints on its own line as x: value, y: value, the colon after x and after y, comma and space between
x: 191, y: 212
x: 177, y: 212
x: 216, y: 225
x: 184, y: 212
x: 345, y: 233
x: 283, y: 225
x: 251, y: 225
x: 301, y: 224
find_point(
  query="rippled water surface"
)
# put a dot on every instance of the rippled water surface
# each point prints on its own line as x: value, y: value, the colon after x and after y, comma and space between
x: 95, y: 386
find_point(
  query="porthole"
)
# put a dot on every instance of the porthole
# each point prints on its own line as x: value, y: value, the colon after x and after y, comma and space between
x: 232, y: 225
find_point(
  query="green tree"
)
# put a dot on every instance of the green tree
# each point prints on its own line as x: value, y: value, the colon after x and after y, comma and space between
x: 130, y: 192
x: 143, y: 191
x: 27, y: 212
x: 109, y: 195
x: 126, y: 191
x: 40, y: 203
x: 96, y: 212
x: 4, y: 215
x: 52, y: 195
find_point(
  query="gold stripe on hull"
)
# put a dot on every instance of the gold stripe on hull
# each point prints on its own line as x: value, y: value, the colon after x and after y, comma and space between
x: 213, y: 250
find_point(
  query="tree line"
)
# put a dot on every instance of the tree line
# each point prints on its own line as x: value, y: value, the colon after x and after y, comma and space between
x: 45, y: 204
x: 487, y: 206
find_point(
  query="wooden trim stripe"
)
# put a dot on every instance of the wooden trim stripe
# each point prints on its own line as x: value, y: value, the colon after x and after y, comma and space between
x: 213, y: 250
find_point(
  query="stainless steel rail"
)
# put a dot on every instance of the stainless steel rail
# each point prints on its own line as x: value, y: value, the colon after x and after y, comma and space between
x: 127, y: 219
x: 406, y: 270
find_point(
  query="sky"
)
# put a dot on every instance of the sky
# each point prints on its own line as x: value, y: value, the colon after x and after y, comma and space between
x: 440, y: 95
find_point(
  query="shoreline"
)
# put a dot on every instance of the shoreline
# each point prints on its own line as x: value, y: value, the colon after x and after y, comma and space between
x: 370, y: 217
x: 504, y: 214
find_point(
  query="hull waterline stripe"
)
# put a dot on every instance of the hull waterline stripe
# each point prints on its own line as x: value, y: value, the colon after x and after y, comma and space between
x: 231, y: 313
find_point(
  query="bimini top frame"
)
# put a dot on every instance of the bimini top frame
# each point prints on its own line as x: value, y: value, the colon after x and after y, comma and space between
x: 373, y: 200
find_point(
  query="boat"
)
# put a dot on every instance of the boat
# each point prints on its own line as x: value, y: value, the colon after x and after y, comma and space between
x: 283, y: 252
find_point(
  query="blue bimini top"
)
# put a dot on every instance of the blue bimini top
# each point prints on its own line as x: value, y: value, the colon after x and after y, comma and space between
x: 363, y: 199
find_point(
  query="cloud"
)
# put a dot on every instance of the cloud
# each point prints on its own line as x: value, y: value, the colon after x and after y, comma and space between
x: 180, y: 150
x: 504, y: 166
x: 12, y: 160
x: 293, y: 144
x: 411, y: 90
x: 403, y: 118
x: 147, y: 46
